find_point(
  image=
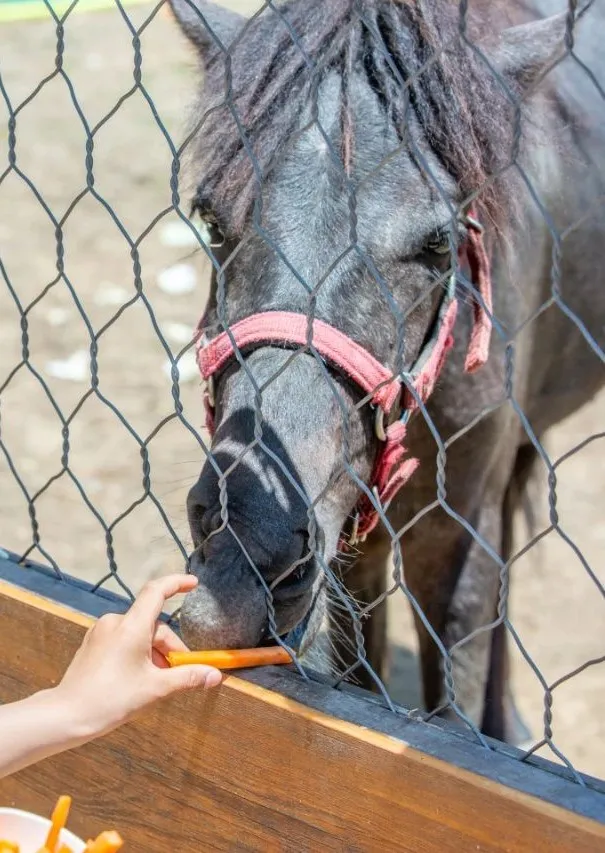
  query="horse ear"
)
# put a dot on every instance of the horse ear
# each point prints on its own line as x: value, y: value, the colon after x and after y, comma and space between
x: 208, y: 26
x: 527, y: 51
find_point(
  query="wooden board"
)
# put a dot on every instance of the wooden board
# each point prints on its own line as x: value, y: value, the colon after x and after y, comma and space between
x: 250, y: 769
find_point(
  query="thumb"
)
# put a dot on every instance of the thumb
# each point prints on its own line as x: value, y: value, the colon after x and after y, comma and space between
x: 189, y: 677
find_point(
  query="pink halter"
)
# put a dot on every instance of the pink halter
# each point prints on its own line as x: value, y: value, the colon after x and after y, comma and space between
x: 391, y: 470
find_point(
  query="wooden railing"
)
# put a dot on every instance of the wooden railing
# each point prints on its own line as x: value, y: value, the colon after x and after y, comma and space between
x: 272, y: 762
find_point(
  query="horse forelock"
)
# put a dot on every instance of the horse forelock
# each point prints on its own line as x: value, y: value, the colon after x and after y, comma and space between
x: 410, y: 52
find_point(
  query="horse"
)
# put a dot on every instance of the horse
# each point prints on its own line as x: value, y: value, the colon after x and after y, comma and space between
x: 402, y: 200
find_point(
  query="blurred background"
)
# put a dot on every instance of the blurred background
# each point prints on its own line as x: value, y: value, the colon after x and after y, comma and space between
x: 556, y: 608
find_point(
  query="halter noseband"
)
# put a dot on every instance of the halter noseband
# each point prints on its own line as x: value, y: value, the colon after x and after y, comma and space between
x: 391, y: 470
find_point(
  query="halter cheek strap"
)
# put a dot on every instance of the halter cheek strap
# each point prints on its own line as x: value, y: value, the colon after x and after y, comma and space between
x: 391, y: 469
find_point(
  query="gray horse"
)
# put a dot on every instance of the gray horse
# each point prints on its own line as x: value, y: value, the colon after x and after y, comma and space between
x: 338, y: 148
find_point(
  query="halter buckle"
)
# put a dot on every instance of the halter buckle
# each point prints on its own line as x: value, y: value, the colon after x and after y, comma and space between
x: 354, y: 537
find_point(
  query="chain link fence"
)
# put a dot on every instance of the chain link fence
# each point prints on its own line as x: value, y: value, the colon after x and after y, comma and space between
x: 106, y: 274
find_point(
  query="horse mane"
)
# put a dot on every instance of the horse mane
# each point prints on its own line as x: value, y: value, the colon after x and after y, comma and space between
x: 413, y: 56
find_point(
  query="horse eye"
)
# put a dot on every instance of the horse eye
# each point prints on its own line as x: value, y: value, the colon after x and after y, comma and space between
x: 439, y: 245
x: 213, y: 237
x: 216, y: 238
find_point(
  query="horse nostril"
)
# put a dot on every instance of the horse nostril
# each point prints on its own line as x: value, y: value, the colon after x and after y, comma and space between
x: 203, y: 522
x: 211, y: 522
x: 295, y: 580
x: 293, y: 584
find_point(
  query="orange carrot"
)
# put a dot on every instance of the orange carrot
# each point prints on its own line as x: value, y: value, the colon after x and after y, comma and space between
x: 58, y: 821
x: 106, y: 842
x: 232, y: 658
x: 8, y: 846
x: 65, y: 849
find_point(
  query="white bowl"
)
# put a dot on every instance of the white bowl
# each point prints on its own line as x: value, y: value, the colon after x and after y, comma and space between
x: 29, y: 831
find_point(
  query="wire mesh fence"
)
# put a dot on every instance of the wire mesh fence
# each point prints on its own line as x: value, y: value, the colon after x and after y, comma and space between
x: 332, y: 160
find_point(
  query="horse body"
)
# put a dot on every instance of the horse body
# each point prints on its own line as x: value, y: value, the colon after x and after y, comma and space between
x: 554, y: 372
x: 369, y: 268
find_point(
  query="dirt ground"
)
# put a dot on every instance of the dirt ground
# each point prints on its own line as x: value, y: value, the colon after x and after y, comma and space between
x: 556, y: 608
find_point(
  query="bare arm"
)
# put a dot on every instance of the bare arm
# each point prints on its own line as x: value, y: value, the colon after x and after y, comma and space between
x: 36, y: 728
x: 119, y: 669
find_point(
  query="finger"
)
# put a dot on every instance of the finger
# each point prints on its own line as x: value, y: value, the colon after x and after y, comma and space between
x: 165, y: 640
x: 158, y: 660
x: 151, y: 600
x: 190, y: 677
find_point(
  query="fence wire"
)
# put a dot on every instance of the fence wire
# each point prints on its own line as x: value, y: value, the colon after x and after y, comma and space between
x: 44, y: 401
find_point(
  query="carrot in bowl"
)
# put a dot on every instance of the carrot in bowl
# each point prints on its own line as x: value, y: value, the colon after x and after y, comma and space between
x: 57, y: 822
x: 107, y: 842
x: 232, y: 658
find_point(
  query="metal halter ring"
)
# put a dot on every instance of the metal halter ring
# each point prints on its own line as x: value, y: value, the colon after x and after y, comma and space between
x: 379, y: 424
x: 474, y: 223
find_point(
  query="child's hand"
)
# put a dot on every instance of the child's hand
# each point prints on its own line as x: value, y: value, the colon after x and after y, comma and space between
x: 120, y: 667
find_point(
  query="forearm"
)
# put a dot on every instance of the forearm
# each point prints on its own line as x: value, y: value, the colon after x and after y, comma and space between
x: 36, y: 728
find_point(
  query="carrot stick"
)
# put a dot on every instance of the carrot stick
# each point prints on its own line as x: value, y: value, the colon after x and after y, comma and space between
x: 232, y: 658
x: 106, y: 842
x: 8, y: 846
x: 65, y: 849
x: 58, y: 821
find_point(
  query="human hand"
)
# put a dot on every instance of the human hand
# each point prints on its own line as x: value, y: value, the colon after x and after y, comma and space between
x: 121, y: 668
